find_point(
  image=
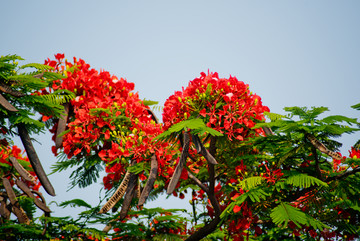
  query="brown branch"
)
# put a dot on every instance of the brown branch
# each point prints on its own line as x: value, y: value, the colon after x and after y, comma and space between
x: 198, y: 182
x: 209, y: 156
x: 343, y: 175
x: 204, y: 231
x: 317, y: 166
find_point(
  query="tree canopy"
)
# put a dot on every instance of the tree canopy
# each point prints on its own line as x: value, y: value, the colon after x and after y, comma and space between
x: 252, y: 174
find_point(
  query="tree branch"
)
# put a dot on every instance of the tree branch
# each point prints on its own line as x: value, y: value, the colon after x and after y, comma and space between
x: 343, y: 175
x: 204, y: 231
x: 198, y: 182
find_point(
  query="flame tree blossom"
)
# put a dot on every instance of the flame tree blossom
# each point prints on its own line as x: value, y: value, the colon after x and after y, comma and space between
x: 107, y: 120
x: 228, y: 106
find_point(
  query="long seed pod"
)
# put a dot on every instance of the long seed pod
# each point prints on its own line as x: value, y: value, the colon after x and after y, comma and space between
x: 21, y: 170
x: 16, y: 209
x: 130, y: 192
x: 39, y: 76
x: 28, y: 192
x: 210, y: 159
x: 6, y: 89
x: 119, y: 193
x: 4, y: 211
x: 321, y: 147
x: 178, y: 170
x: 153, y: 116
x: 197, y: 141
x: 107, y: 228
x: 138, y: 189
x: 6, y: 104
x: 34, y: 160
x: 268, y: 131
x: 150, y: 182
x: 9, y: 190
x: 20, y: 214
x: 61, y: 126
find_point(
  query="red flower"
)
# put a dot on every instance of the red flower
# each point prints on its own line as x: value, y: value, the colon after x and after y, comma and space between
x: 107, y: 119
x: 236, y: 209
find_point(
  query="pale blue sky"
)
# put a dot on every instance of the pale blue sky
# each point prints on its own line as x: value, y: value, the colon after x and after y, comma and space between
x: 303, y: 53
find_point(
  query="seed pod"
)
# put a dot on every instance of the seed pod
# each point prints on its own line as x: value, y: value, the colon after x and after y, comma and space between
x: 34, y: 160
x: 4, y: 211
x: 107, y: 228
x: 178, y: 170
x: 21, y: 170
x: 197, y: 141
x: 150, y: 182
x: 28, y: 192
x: 20, y: 214
x: 209, y: 158
x: 153, y: 116
x: 61, y: 126
x: 321, y: 147
x: 119, y: 193
x: 9, y: 190
x: 16, y: 209
x: 39, y: 76
x: 130, y: 192
x: 6, y: 104
x: 6, y: 89
x: 268, y: 131
x: 138, y: 189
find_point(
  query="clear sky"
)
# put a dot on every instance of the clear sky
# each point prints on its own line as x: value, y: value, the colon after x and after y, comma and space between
x: 291, y: 53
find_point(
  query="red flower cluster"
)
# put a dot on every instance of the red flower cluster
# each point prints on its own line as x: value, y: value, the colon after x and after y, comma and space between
x: 354, y: 153
x: 7, y: 151
x: 226, y: 105
x: 106, y: 119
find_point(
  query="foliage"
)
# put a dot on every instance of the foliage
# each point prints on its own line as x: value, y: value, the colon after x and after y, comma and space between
x: 247, y: 179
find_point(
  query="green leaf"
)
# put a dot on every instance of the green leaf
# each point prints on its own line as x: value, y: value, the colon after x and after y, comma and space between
x: 137, y: 168
x: 37, y: 66
x: 273, y: 116
x: 189, y: 124
x: 304, y: 181
x: 150, y: 102
x: 356, y: 107
x: 75, y: 203
x: 250, y: 182
x: 282, y: 214
x: 339, y: 118
x: 196, y: 125
x: 54, y: 76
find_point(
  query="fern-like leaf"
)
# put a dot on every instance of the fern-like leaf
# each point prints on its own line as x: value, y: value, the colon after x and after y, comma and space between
x: 37, y: 66
x: 282, y: 214
x: 196, y: 125
x: 75, y: 203
x: 250, y: 182
x: 304, y: 181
